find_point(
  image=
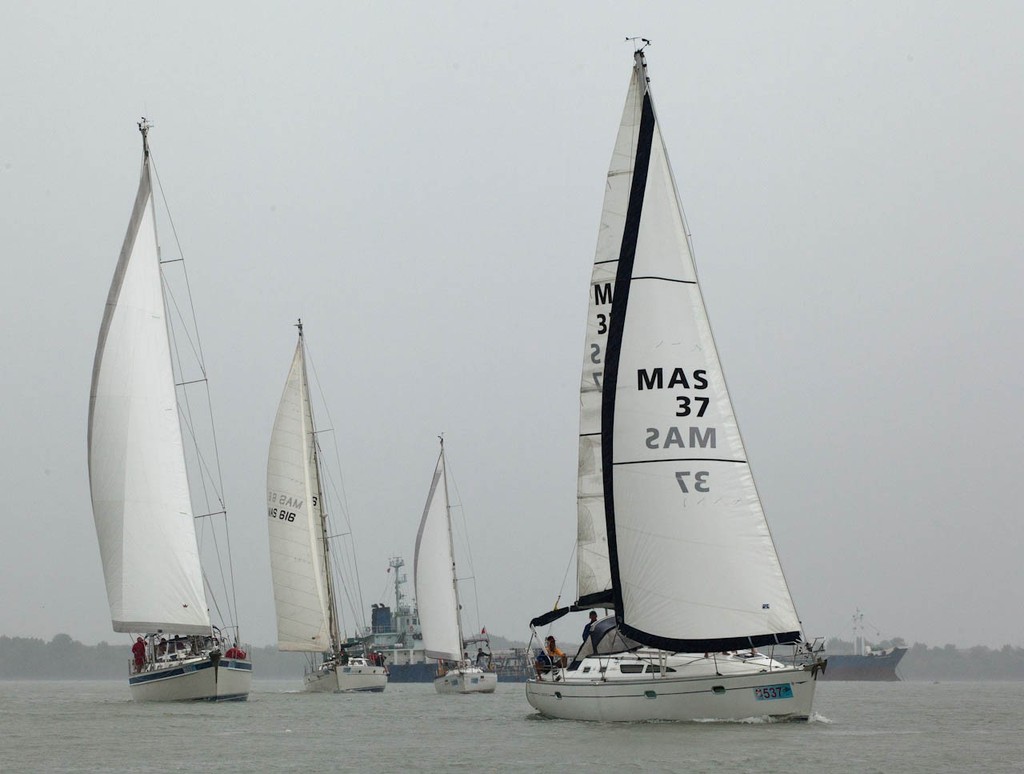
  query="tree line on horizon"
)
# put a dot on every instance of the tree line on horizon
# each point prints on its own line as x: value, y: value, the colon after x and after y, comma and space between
x: 64, y: 658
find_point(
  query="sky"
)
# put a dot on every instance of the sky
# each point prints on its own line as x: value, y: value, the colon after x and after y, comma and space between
x: 422, y: 184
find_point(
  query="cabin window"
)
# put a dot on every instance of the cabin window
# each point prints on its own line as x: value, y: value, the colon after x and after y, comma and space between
x: 631, y: 669
x: 586, y: 669
x: 653, y: 668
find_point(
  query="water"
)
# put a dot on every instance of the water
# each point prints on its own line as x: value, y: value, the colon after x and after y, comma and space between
x: 863, y: 727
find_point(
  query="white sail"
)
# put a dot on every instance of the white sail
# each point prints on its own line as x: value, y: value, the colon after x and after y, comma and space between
x: 297, y: 561
x: 693, y: 563
x: 137, y: 477
x: 593, y: 574
x: 434, y: 574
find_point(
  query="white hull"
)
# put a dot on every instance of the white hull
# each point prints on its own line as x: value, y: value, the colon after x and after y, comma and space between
x: 741, y: 689
x: 467, y: 680
x: 348, y: 678
x: 196, y: 679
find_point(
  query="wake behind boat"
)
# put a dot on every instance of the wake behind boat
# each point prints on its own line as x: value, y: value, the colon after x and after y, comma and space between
x: 437, y: 594
x: 139, y: 481
x: 671, y: 534
x: 300, y: 552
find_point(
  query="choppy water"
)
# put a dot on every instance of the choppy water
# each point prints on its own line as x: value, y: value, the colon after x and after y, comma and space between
x: 862, y: 727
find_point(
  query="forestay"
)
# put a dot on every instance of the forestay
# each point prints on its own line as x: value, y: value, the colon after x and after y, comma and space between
x: 137, y: 476
x: 693, y: 565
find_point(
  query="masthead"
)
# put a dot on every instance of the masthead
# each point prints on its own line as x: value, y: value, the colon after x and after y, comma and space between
x: 144, y: 127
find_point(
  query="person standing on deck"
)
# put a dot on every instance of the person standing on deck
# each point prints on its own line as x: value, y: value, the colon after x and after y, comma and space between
x: 139, y: 651
x: 590, y: 625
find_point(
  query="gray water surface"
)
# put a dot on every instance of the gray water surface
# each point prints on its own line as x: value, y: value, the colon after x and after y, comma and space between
x: 862, y: 727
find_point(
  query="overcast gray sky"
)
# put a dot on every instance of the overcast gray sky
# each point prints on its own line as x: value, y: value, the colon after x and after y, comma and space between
x: 421, y: 183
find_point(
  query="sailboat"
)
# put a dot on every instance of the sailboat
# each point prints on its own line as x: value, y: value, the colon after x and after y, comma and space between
x: 437, y: 595
x: 139, y: 483
x: 672, y: 538
x: 300, y: 555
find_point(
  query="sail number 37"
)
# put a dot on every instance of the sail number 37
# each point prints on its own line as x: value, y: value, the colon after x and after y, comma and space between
x: 696, y: 482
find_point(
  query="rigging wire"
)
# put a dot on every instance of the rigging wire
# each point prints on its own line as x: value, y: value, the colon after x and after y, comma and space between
x: 345, y: 563
x: 210, y: 476
x: 465, y: 539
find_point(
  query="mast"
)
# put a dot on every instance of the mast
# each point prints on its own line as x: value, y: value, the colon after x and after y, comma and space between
x: 325, y: 554
x: 396, y: 563
x: 451, y: 548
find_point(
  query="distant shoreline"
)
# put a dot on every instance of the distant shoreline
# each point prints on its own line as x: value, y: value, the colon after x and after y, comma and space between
x: 63, y: 658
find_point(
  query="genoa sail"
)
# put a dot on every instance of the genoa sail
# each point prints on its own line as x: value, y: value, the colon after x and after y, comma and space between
x: 298, y: 561
x: 693, y: 565
x: 137, y: 471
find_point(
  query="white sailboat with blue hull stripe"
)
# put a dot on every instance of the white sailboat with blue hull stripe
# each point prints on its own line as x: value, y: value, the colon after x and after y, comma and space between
x: 672, y: 539
x: 141, y: 497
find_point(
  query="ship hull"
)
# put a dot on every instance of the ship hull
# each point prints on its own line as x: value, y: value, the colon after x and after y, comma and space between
x: 426, y: 672
x: 679, y: 689
x: 347, y: 679
x: 879, y: 667
x: 466, y: 681
x: 199, y: 679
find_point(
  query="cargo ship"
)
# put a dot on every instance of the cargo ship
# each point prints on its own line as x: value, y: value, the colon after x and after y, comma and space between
x: 865, y: 663
x: 877, y: 665
x: 394, y: 633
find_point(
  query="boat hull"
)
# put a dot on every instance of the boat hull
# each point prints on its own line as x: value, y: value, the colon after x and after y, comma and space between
x: 197, y: 679
x: 737, y: 693
x: 874, y: 666
x: 466, y: 681
x: 347, y: 679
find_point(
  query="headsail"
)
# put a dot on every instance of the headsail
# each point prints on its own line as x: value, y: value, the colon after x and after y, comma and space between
x: 693, y: 565
x: 297, y: 558
x: 434, y: 573
x: 137, y: 476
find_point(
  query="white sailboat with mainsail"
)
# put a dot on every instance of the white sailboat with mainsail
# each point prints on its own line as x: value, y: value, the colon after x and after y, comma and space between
x: 139, y: 483
x: 300, y: 554
x: 437, y: 595
x: 671, y: 534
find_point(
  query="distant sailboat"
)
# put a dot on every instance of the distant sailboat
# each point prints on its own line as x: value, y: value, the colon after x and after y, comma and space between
x: 671, y: 534
x: 141, y: 499
x: 437, y: 595
x: 307, y: 608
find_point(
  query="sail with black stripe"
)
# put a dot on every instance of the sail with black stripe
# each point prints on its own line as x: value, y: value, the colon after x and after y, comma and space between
x: 692, y: 564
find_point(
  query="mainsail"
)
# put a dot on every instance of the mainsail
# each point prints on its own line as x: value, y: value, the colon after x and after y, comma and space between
x: 298, y: 560
x: 434, y: 573
x: 593, y: 573
x: 693, y: 565
x: 137, y: 475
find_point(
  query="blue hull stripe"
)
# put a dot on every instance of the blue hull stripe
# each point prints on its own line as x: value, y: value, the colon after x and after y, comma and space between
x: 163, y: 674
